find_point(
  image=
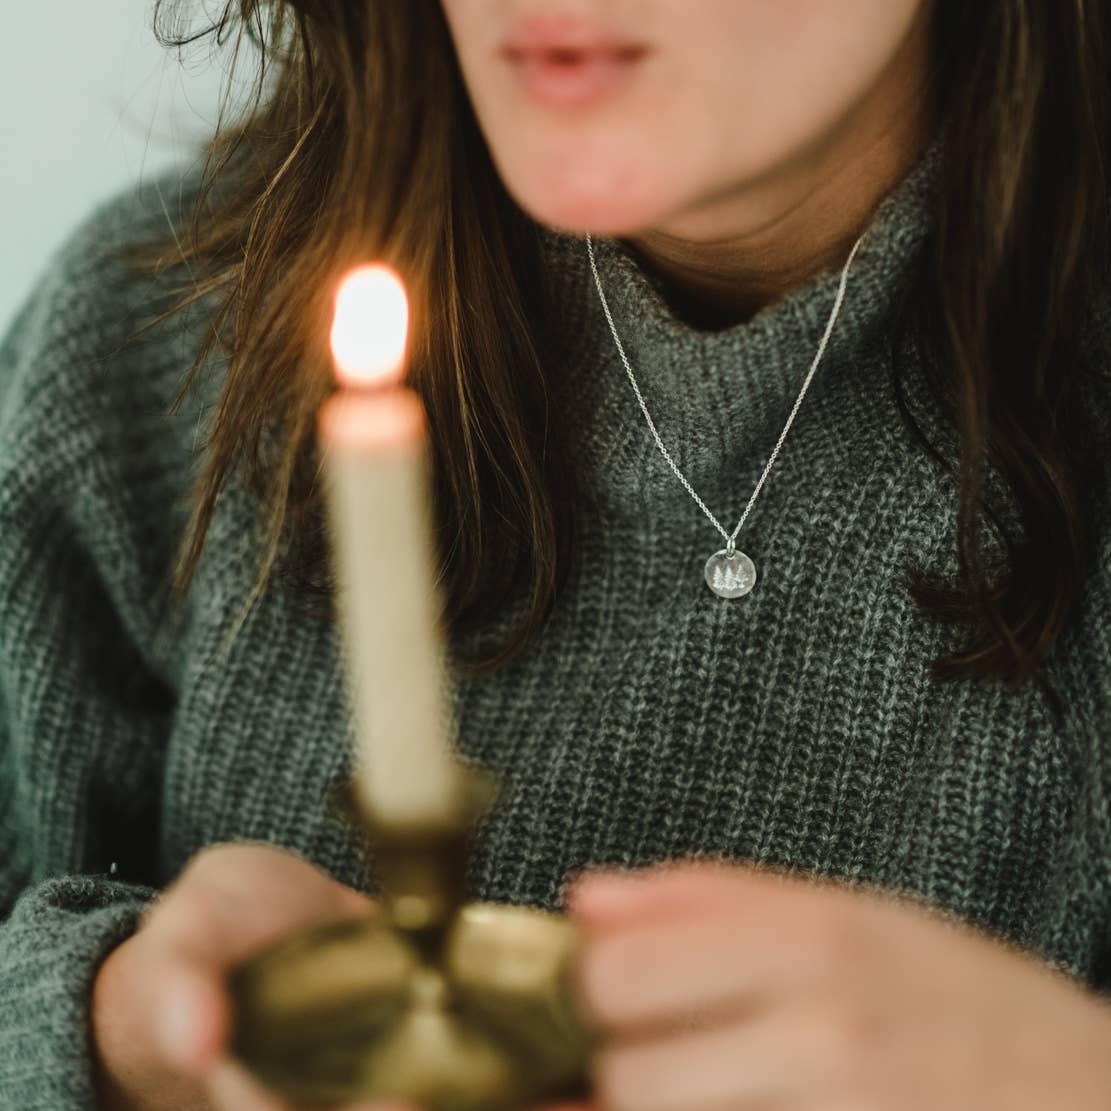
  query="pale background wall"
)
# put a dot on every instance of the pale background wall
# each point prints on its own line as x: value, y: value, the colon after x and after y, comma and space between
x: 90, y: 103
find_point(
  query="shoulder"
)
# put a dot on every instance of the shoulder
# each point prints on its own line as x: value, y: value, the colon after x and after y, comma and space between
x: 94, y: 470
x: 85, y: 277
x: 69, y: 340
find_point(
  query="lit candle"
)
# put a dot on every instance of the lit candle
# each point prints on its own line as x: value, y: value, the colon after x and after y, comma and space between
x: 374, y: 450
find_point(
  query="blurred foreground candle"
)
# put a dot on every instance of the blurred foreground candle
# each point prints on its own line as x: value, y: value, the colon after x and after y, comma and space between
x: 373, y: 442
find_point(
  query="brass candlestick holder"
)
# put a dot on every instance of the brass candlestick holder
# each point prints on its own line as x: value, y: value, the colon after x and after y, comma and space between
x: 431, y: 1000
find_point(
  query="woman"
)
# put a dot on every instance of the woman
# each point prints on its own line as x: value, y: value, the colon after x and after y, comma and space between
x: 854, y: 261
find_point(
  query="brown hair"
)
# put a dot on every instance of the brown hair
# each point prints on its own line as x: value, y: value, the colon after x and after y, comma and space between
x: 364, y: 145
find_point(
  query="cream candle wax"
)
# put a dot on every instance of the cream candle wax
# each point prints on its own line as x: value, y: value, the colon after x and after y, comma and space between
x: 373, y: 439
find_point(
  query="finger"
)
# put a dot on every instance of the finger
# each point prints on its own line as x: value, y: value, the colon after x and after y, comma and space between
x: 186, y: 996
x: 127, y: 1039
x: 212, y: 923
x: 566, y: 1107
x: 736, y: 1064
x: 235, y: 899
x: 191, y: 1015
x: 382, y: 1106
x: 675, y: 971
x: 232, y: 1088
x: 611, y: 897
x: 176, y: 1017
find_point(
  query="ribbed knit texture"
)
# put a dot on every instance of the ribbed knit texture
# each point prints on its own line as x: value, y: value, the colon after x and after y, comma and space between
x: 796, y: 726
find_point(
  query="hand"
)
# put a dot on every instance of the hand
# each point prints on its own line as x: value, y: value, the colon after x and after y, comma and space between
x: 160, y: 1014
x: 733, y: 987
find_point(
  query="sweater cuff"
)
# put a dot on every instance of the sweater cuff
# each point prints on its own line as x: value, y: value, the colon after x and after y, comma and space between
x: 51, y: 947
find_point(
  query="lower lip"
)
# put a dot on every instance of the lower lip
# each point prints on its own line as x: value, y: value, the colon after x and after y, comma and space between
x: 573, y: 79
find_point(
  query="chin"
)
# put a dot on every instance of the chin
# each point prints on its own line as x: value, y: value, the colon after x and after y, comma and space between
x: 578, y: 198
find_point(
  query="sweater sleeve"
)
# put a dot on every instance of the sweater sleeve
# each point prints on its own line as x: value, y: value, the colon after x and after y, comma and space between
x: 50, y: 948
x: 86, y: 686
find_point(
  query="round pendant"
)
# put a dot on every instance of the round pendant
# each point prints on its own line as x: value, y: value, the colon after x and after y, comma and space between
x: 730, y: 576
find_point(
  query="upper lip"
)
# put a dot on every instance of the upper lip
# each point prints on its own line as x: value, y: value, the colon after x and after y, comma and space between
x: 537, y: 33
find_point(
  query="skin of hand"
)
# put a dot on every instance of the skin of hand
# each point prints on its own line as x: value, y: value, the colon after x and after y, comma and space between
x: 160, y: 1015
x: 734, y: 987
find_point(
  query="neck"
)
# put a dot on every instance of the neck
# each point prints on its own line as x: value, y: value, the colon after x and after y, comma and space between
x: 720, y: 262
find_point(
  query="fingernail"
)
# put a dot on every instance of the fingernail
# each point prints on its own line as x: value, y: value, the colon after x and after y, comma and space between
x: 177, y: 1029
x: 185, y: 1027
x: 600, y: 892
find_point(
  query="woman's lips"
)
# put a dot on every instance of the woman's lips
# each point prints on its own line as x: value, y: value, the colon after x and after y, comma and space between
x: 572, y: 76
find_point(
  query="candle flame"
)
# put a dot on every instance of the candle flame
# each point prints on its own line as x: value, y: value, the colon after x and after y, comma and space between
x: 370, y: 326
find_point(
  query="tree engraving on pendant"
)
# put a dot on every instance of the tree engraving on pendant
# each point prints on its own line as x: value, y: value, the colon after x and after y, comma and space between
x: 730, y: 575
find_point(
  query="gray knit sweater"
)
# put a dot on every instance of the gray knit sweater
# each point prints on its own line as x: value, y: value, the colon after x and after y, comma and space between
x: 795, y: 726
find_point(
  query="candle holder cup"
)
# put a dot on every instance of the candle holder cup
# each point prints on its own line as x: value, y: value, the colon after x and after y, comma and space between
x: 430, y: 1000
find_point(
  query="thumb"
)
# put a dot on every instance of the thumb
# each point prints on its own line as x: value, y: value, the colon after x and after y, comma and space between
x: 192, y: 1016
x: 229, y: 907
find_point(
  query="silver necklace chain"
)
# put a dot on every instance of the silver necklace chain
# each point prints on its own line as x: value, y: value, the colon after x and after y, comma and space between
x: 729, y: 573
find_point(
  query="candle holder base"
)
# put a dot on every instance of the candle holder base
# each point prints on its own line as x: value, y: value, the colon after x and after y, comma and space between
x: 432, y: 1001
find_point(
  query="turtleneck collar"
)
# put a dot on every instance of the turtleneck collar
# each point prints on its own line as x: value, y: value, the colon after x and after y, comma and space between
x: 719, y: 398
